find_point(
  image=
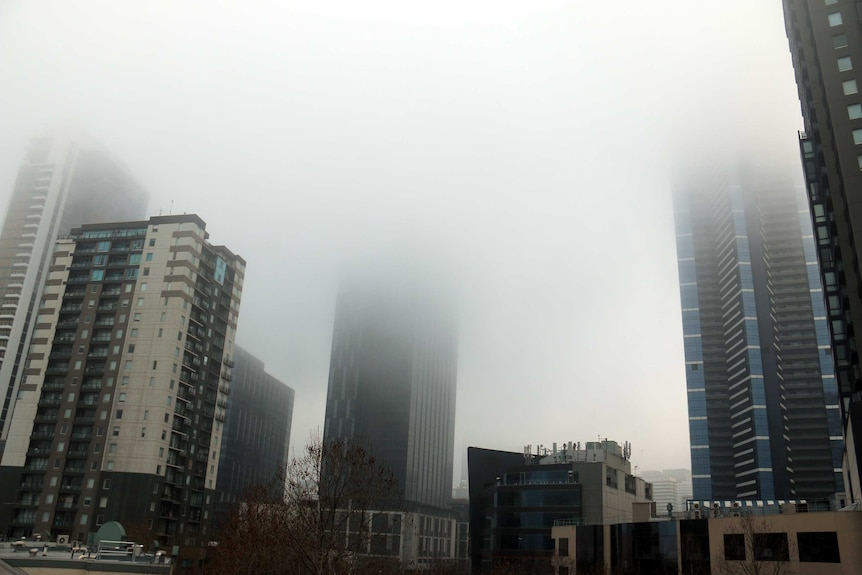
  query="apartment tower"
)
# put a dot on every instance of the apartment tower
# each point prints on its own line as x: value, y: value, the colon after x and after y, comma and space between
x: 762, y: 396
x: 63, y: 181
x: 826, y: 44
x: 122, y: 402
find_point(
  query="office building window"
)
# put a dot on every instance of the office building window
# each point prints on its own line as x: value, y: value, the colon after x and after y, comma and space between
x: 857, y: 136
x: 839, y: 41
x: 854, y: 111
x: 844, y: 64
x: 835, y: 19
x: 818, y: 547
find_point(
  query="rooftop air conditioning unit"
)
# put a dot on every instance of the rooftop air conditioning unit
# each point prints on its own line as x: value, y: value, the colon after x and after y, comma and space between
x: 62, y: 539
x: 736, y: 505
x: 716, y: 505
x: 696, y: 514
x: 695, y: 505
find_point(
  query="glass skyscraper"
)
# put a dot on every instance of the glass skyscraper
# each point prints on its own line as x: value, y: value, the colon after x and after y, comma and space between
x: 764, y: 417
x: 392, y: 381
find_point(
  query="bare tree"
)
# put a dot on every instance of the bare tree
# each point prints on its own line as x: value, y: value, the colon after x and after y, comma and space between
x: 318, y: 516
x: 749, y: 547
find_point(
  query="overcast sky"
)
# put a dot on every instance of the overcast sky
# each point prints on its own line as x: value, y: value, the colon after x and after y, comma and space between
x: 530, y: 143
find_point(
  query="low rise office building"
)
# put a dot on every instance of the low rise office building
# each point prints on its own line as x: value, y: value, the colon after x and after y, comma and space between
x: 516, y: 498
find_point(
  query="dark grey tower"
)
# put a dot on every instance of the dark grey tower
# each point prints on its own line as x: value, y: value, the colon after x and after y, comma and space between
x: 257, y: 430
x: 826, y: 44
x: 392, y: 383
x: 762, y: 395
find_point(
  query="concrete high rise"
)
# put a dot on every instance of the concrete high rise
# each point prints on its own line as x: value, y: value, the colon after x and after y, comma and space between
x: 392, y: 383
x: 64, y: 181
x: 125, y: 385
x: 763, y: 403
x: 826, y: 45
x: 256, y: 437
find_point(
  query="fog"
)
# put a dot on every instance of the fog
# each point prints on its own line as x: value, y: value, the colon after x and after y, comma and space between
x: 525, y: 148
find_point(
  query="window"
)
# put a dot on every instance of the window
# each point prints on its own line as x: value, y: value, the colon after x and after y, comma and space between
x: 128, y: 364
x: 155, y: 364
x: 770, y: 547
x: 146, y: 414
x: 835, y: 19
x: 132, y: 273
x: 734, y: 547
x: 818, y: 547
x: 110, y: 466
x: 122, y: 397
x: 141, y: 300
x: 563, y: 547
x: 134, y: 332
x: 144, y: 286
x: 859, y: 161
x: 143, y: 432
x: 149, y: 257
x: 112, y: 448
x: 137, y: 317
x: 103, y: 501
x: 106, y: 484
x: 153, y: 240
x: 116, y: 431
x: 97, y: 275
x: 135, y: 259
x: 844, y: 64
x: 119, y: 414
x: 854, y: 111
x: 839, y: 41
x: 857, y: 136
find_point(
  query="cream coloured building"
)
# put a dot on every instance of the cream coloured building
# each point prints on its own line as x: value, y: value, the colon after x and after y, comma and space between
x: 121, y: 406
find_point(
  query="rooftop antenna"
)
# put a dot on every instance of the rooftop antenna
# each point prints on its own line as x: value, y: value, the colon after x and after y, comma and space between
x: 171, y: 211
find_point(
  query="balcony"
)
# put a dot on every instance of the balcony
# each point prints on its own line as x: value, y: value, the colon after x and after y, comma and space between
x: 70, y: 487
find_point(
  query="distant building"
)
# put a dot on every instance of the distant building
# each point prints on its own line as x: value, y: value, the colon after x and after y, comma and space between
x: 125, y: 386
x: 669, y: 486
x: 764, y: 415
x: 516, y: 498
x: 256, y: 438
x: 64, y: 181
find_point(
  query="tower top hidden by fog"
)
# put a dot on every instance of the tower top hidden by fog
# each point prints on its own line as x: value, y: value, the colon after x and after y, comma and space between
x: 392, y: 381
x: 65, y: 180
x: 762, y: 396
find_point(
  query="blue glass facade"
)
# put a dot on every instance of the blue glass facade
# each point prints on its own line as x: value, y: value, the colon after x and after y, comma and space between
x: 758, y: 380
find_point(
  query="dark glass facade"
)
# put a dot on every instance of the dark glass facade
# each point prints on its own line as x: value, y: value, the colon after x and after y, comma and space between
x: 825, y: 41
x: 257, y: 429
x: 392, y: 381
x: 762, y: 394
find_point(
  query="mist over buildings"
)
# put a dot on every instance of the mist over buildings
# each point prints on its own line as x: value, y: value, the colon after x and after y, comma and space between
x: 528, y: 151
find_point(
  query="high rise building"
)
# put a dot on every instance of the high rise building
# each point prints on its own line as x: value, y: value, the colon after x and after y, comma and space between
x: 256, y: 438
x: 763, y: 404
x: 392, y: 379
x: 122, y: 401
x: 64, y: 181
x: 826, y: 45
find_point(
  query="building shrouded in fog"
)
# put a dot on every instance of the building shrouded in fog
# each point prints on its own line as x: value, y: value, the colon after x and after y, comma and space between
x: 392, y: 382
x: 762, y: 395
x: 121, y: 408
x: 63, y: 182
